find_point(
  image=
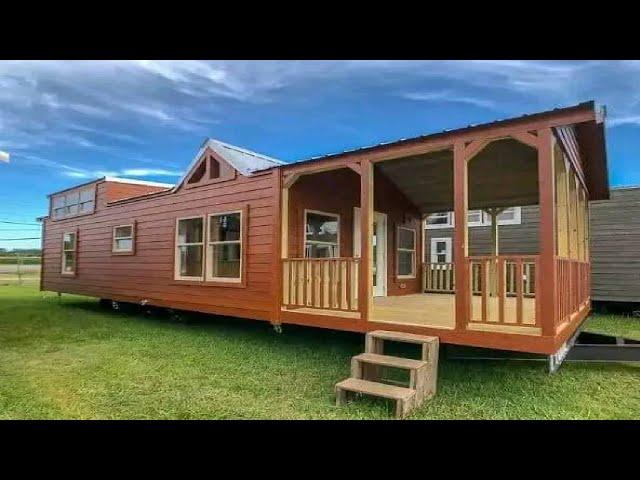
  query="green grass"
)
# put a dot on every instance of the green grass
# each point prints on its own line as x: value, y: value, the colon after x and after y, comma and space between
x: 74, y: 359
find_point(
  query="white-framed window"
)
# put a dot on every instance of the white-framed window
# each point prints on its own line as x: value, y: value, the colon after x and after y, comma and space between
x: 69, y: 252
x: 224, y: 247
x: 321, y: 234
x: 123, y: 239
x: 475, y: 218
x: 509, y: 216
x: 406, y: 253
x: 440, y: 251
x: 189, y: 253
x: 73, y: 202
x: 439, y: 220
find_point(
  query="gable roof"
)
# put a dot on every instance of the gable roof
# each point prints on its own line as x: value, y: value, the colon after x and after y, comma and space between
x: 244, y: 161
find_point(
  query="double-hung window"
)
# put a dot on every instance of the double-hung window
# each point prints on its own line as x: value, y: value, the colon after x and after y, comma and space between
x: 406, y: 253
x: 321, y: 234
x: 69, y: 253
x: 210, y: 248
x: 123, y: 239
x: 189, y: 248
x: 224, y: 247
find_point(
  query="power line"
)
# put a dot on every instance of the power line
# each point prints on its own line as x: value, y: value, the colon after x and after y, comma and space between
x: 19, y: 223
x: 12, y: 239
x: 19, y: 229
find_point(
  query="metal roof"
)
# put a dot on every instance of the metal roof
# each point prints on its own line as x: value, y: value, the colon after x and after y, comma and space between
x: 244, y: 161
x: 584, y: 105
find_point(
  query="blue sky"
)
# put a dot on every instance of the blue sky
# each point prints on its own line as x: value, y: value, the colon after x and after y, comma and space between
x: 67, y: 122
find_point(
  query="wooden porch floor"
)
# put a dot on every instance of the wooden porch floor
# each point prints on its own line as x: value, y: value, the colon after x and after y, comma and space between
x: 437, y: 310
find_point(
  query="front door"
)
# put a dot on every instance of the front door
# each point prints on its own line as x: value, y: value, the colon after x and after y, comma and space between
x: 379, y: 245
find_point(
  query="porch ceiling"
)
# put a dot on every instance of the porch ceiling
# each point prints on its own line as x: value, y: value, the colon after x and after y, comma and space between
x: 504, y: 174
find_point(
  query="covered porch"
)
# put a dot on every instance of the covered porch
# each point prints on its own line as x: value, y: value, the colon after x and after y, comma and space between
x: 353, y: 250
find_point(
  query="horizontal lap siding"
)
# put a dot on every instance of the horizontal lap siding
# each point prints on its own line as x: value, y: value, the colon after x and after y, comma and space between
x: 514, y: 239
x: 149, y: 273
x: 338, y: 192
x: 615, y: 246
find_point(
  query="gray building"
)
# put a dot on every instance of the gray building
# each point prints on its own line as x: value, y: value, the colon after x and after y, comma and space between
x: 615, y: 241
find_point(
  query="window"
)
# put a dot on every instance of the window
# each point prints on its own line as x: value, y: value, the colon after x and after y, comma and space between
x: 509, y: 216
x: 123, y: 239
x: 475, y: 218
x: 74, y: 202
x: 224, y: 249
x: 439, y: 220
x: 214, y: 168
x: 69, y: 253
x: 406, y: 252
x: 322, y: 234
x: 198, y: 173
x: 440, y: 250
x: 189, y: 253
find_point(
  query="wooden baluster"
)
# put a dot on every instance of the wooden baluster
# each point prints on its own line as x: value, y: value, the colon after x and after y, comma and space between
x: 348, y: 285
x: 483, y: 284
x: 519, y: 279
x: 501, y: 289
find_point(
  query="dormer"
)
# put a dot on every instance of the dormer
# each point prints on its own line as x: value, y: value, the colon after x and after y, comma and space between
x: 219, y: 162
x: 209, y: 169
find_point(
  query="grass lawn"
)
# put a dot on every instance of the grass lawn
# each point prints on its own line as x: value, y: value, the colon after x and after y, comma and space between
x: 76, y: 360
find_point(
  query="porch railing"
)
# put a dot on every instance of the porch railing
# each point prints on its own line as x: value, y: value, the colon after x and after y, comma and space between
x: 321, y: 283
x: 503, y: 290
x: 573, y: 287
x: 440, y: 278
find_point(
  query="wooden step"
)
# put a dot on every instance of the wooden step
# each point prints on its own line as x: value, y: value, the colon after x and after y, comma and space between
x: 358, y: 385
x: 403, y: 396
x: 401, y: 336
x: 389, y: 361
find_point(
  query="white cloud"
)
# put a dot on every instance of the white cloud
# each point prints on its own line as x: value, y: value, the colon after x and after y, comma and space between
x: 148, y: 172
x: 447, y: 96
x: 629, y: 120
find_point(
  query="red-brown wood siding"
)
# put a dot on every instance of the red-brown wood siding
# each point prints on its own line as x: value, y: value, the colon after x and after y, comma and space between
x: 338, y: 192
x: 149, y: 274
x: 119, y: 191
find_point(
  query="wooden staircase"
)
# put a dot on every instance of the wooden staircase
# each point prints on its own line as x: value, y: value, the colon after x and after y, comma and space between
x: 366, y: 371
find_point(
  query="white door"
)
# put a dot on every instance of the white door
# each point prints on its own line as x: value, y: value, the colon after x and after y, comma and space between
x: 440, y: 250
x: 379, y: 244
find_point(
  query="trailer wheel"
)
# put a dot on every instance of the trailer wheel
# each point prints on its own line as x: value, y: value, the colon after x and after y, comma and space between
x: 176, y: 316
x: 115, y: 306
x: 104, y: 303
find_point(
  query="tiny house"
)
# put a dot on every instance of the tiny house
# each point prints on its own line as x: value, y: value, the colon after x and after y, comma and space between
x: 615, y: 243
x: 338, y: 241
x: 615, y: 247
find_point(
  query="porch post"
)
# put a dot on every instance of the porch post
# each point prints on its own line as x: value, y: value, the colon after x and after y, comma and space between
x: 547, y: 275
x: 366, y: 234
x: 463, y: 299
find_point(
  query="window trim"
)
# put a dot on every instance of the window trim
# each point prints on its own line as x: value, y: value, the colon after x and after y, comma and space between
x: 449, y: 223
x: 414, y: 251
x: 75, y: 251
x: 304, y: 232
x: 130, y: 251
x: 241, y: 241
x: 448, y: 252
x: 79, y: 213
x: 485, y: 221
x: 176, y: 246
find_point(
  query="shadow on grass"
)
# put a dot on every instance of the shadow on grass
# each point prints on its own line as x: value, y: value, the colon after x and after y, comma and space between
x: 216, y: 323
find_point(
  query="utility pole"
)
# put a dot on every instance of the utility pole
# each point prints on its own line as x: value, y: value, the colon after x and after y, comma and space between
x: 19, y: 269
